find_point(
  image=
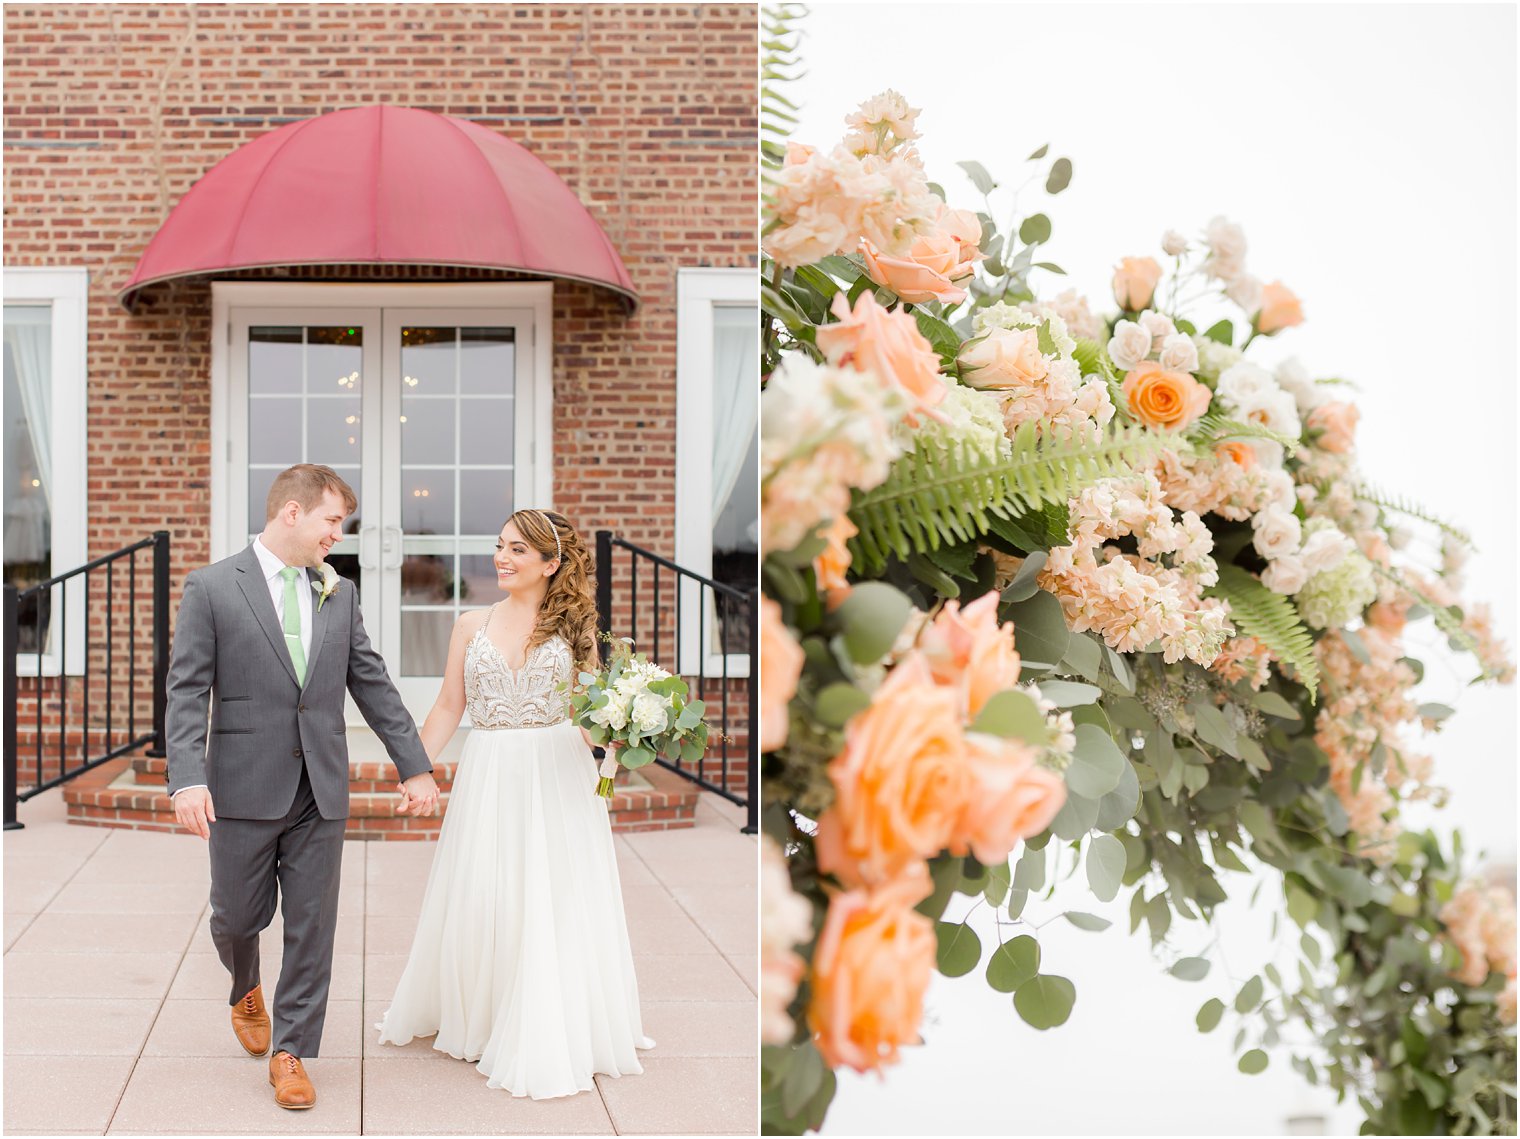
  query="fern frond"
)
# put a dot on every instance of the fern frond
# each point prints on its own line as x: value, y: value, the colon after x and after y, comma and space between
x: 940, y: 495
x: 1216, y: 427
x: 1272, y: 619
x: 781, y: 56
x: 1400, y: 505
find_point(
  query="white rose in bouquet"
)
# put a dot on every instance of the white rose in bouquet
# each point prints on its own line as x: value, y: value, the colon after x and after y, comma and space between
x: 1179, y: 353
x: 1277, y: 533
x: 650, y: 712
x: 1130, y: 345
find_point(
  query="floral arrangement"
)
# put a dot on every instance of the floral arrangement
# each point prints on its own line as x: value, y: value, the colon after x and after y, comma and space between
x: 1039, y: 576
x: 641, y: 710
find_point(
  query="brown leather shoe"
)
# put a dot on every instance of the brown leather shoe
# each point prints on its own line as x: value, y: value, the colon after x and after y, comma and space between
x: 250, y: 1023
x: 292, y: 1087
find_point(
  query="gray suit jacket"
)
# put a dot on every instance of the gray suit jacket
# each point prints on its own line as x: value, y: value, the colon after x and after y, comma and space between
x: 229, y: 654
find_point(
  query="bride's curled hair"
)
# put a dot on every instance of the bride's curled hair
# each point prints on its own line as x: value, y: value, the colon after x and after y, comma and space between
x: 569, y: 607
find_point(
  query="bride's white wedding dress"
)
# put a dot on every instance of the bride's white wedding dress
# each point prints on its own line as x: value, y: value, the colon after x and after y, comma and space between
x: 521, y: 959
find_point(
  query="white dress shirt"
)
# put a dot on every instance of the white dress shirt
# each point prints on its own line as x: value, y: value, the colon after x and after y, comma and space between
x: 271, y: 564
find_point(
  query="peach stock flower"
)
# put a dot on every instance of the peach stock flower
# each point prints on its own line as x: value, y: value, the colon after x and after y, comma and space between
x: 780, y: 664
x: 871, y: 968
x: 1135, y: 281
x: 1336, y: 424
x: 1280, y: 309
x: 830, y: 566
x: 1004, y: 360
x: 900, y: 783
x: 869, y: 338
x: 1238, y: 452
x: 1012, y: 798
x: 968, y: 650
x: 933, y: 263
x: 1167, y: 401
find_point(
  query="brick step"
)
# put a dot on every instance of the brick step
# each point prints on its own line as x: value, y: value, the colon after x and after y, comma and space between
x: 118, y: 794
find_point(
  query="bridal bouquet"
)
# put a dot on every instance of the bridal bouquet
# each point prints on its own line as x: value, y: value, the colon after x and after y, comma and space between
x: 646, y: 712
x: 1050, y: 587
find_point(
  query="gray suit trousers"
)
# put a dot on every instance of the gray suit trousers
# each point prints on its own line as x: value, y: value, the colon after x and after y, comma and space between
x: 301, y: 855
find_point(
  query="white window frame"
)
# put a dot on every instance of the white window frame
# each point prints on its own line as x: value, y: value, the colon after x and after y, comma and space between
x: 226, y: 296
x: 66, y: 291
x: 698, y: 293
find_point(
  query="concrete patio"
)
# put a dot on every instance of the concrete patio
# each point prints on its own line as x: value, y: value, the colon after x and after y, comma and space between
x: 116, y: 1019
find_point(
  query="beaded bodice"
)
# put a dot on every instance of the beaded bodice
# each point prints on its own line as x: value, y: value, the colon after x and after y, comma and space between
x: 534, y: 696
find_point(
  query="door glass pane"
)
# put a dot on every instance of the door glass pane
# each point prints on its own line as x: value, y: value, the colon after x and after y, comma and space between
x: 736, y: 468
x: 28, y: 464
x: 457, y: 426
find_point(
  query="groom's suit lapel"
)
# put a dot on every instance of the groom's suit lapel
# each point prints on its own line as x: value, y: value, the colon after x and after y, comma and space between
x: 256, y: 591
x: 319, y: 619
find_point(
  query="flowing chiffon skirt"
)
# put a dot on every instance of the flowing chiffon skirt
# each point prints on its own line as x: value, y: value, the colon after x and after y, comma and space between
x: 521, y: 959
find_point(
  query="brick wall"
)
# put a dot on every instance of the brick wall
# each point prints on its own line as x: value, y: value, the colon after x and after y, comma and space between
x: 112, y: 111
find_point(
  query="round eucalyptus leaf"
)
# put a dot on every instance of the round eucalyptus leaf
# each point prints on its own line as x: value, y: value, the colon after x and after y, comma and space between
x: 1097, y: 765
x: 1039, y: 627
x: 1119, y: 805
x: 1106, y: 860
x: 1191, y: 969
x: 959, y: 948
x: 1045, y: 1001
x: 1013, y: 715
x: 1060, y: 176
x: 1090, y: 922
x: 872, y: 616
x: 1210, y: 1015
x: 1249, y: 996
x: 1015, y: 963
x: 1253, y: 1062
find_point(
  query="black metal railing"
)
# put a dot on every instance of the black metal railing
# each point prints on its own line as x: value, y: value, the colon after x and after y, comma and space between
x: 37, y: 599
x: 736, y: 614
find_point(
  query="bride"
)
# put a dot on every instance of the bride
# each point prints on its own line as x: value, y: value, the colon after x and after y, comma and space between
x: 521, y: 959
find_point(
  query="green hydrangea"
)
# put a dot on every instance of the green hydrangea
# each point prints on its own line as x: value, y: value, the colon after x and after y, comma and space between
x: 972, y: 419
x: 1332, y: 598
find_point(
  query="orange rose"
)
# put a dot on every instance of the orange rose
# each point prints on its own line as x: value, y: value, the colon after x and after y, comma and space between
x: 1279, y: 309
x: 780, y: 664
x: 871, y: 968
x: 933, y: 262
x: 1167, y: 401
x: 1135, y: 282
x: 889, y: 344
x: 900, y: 783
x: 968, y: 650
x: 829, y: 567
x: 1236, y: 452
x: 1336, y: 424
x: 1012, y: 798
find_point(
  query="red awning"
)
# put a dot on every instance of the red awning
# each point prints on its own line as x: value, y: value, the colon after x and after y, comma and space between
x: 382, y: 185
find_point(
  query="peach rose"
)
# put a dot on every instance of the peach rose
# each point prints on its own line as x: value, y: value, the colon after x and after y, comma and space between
x: 829, y: 567
x: 1167, y: 401
x: 1012, y: 798
x: 871, y: 968
x: 1135, y: 281
x: 968, y: 650
x: 1004, y: 360
x: 1237, y: 452
x: 780, y: 664
x: 1389, y: 616
x: 869, y: 338
x: 1279, y: 309
x: 933, y: 262
x: 1336, y: 424
x: 900, y: 783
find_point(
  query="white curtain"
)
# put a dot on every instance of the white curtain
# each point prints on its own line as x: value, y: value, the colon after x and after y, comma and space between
x: 736, y: 404
x: 29, y: 349
x: 29, y: 338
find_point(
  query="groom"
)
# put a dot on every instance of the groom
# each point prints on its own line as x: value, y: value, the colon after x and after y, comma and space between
x: 268, y: 640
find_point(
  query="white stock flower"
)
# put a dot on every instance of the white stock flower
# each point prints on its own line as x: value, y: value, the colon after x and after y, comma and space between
x: 1173, y: 244
x: 1286, y: 575
x: 1130, y: 345
x: 1179, y: 353
x: 1277, y: 533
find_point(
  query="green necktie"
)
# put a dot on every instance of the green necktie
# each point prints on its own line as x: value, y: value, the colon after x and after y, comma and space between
x: 293, y: 623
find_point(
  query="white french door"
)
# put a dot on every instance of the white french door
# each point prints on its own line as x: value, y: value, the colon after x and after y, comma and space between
x: 436, y: 414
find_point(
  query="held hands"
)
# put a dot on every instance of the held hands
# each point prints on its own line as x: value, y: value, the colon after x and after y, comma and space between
x: 419, y: 796
x: 194, y: 811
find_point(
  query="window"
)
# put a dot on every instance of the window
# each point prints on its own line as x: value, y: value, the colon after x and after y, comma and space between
x: 45, y: 504
x: 717, y: 460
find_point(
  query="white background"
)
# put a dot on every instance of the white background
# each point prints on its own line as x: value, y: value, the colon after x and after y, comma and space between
x: 1369, y: 152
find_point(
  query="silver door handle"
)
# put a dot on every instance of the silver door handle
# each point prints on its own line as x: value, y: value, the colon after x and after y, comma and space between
x: 367, y: 559
x: 392, y: 545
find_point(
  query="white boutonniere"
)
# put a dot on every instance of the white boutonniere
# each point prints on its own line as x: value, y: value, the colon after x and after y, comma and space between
x: 327, y: 586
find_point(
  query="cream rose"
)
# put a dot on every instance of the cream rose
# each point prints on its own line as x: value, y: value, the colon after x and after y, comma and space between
x: 1129, y: 345
x: 1277, y: 533
x: 1286, y: 575
x: 1324, y: 549
x: 1173, y: 244
x: 1159, y: 325
x: 1004, y: 360
x: 1244, y: 290
x: 1179, y: 353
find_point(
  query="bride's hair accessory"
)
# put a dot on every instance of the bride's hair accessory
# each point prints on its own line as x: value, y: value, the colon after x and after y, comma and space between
x: 559, y: 551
